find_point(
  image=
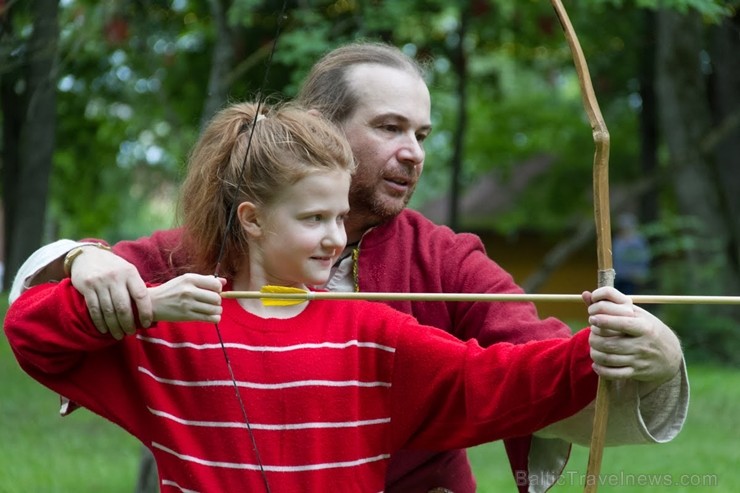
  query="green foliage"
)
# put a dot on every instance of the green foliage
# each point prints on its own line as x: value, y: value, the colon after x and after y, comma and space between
x: 708, y: 332
x: 524, y: 100
x: 712, y: 10
x: 130, y: 95
x: 132, y: 82
x: 304, y: 40
x: 704, y: 455
x: 133, y: 79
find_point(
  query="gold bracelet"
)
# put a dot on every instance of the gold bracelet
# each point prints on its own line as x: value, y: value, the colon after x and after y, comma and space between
x: 75, y: 252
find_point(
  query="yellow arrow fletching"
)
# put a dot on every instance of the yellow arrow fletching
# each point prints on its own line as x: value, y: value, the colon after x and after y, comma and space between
x: 283, y: 295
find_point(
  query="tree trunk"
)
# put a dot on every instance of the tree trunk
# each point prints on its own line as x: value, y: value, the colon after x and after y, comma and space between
x: 222, y: 61
x: 686, y: 119
x: 725, y: 92
x: 648, y: 119
x: 459, y: 61
x: 684, y: 112
x: 706, y: 266
x: 29, y: 106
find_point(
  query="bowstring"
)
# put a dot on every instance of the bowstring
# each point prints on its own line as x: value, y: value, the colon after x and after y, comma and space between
x: 229, y: 224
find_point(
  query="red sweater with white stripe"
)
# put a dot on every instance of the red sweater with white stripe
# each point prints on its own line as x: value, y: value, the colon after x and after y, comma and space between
x: 409, y: 253
x: 329, y: 394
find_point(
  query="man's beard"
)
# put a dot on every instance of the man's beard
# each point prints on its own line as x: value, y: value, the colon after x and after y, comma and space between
x: 376, y: 207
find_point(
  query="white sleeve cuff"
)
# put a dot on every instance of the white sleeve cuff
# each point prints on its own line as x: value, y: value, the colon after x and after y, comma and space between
x: 36, y: 262
x: 655, y: 418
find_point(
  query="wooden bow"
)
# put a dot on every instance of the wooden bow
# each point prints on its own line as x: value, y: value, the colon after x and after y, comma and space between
x: 603, y: 228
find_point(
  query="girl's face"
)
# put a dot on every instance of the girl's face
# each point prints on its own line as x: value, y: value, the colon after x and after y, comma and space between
x: 297, y: 238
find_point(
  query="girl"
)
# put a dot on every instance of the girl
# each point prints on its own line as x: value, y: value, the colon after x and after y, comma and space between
x: 327, y: 390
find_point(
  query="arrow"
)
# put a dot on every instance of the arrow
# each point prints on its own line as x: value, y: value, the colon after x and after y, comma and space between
x: 282, y: 295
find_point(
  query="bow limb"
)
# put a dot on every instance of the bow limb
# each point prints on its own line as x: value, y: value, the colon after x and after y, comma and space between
x: 603, y: 228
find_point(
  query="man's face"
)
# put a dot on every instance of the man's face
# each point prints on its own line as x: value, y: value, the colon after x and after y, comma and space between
x: 386, y: 132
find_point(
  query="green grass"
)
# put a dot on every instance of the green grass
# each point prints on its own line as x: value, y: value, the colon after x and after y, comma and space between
x: 707, y: 451
x: 41, y: 452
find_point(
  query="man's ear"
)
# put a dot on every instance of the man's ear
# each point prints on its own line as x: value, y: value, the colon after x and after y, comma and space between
x: 247, y: 213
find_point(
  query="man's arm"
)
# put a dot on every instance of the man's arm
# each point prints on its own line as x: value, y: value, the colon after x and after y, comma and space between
x: 112, y: 288
x: 44, y: 265
x: 108, y: 283
x: 657, y: 392
x: 661, y: 413
x: 112, y: 283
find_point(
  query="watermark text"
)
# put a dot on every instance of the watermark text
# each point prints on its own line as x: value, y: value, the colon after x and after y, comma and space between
x: 574, y: 478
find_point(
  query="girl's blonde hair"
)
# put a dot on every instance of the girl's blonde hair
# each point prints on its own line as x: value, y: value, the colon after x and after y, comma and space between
x: 287, y: 143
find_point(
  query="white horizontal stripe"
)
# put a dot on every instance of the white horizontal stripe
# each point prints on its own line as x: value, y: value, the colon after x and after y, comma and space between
x: 264, y: 386
x: 272, y: 468
x: 278, y: 427
x: 272, y: 349
x: 167, y: 482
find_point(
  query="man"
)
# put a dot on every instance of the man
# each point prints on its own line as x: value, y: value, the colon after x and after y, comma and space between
x: 379, y: 98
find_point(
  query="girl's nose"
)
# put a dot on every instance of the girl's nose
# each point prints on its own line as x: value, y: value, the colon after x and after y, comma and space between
x: 335, y: 237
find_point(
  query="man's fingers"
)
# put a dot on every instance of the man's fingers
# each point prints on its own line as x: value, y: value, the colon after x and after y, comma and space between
x: 613, y: 365
x: 104, y: 279
x: 611, y: 345
x: 93, y: 307
x: 100, y: 307
x: 110, y: 318
x: 621, y: 357
x: 614, y: 373
x: 611, y: 325
x: 608, y: 293
x: 605, y: 307
x: 603, y: 332
x: 612, y: 360
x: 122, y: 311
